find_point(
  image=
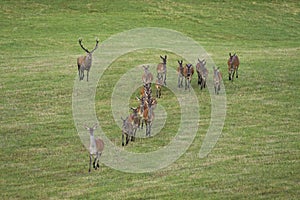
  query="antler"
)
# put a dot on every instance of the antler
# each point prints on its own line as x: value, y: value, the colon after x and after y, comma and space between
x: 80, y: 42
x: 97, y: 41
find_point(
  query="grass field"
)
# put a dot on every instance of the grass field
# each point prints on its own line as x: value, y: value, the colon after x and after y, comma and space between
x: 258, y: 153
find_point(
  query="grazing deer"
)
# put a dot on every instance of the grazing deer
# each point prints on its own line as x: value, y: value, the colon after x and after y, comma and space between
x: 202, y: 73
x: 162, y: 70
x: 188, y: 72
x: 85, y: 62
x: 217, y: 78
x: 233, y: 65
x: 127, y: 130
x: 147, y: 76
x: 96, y: 148
x: 158, y: 85
x: 180, y: 73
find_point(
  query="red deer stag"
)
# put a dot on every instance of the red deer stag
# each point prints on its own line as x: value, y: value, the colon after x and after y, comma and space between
x: 233, y: 65
x: 85, y: 62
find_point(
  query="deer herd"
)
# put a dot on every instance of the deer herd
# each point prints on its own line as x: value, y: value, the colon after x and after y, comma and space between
x: 144, y: 112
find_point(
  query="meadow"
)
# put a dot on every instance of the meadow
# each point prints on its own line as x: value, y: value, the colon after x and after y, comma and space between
x: 257, y: 155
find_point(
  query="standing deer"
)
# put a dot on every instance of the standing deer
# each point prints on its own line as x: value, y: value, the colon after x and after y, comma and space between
x: 180, y: 73
x: 148, y: 115
x: 217, y: 78
x: 96, y: 148
x: 158, y: 85
x: 85, y: 62
x: 202, y: 73
x: 162, y: 69
x: 127, y: 130
x: 233, y: 65
x: 135, y: 119
x: 147, y: 77
x: 188, y: 72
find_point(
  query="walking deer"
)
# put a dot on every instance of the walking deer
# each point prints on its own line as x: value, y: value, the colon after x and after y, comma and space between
x: 96, y: 148
x: 217, y: 78
x: 162, y: 70
x: 233, y: 65
x: 202, y: 73
x: 188, y: 72
x: 180, y: 69
x: 85, y: 62
x: 148, y: 115
x: 127, y: 131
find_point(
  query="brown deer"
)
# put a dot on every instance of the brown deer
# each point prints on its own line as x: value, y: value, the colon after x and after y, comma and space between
x: 158, y: 85
x: 96, y: 148
x: 188, y: 72
x: 85, y: 62
x: 202, y: 73
x: 162, y: 70
x: 233, y: 65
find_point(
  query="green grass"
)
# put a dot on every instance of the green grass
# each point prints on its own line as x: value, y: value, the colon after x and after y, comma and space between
x: 257, y: 155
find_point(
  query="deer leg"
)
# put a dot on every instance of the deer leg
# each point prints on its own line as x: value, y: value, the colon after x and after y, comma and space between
x: 149, y: 129
x: 127, y: 139
x: 90, y: 163
x: 122, y: 139
x: 78, y: 71
x: 237, y: 73
x: 98, y: 166
x: 87, y: 75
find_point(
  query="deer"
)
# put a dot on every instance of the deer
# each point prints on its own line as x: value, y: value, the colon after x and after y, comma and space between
x: 127, y: 130
x: 188, y: 72
x: 180, y: 73
x: 96, y: 148
x: 147, y: 77
x: 135, y: 120
x: 85, y: 62
x: 158, y: 86
x: 217, y: 78
x: 148, y: 115
x: 202, y: 73
x: 233, y: 65
x: 162, y: 70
